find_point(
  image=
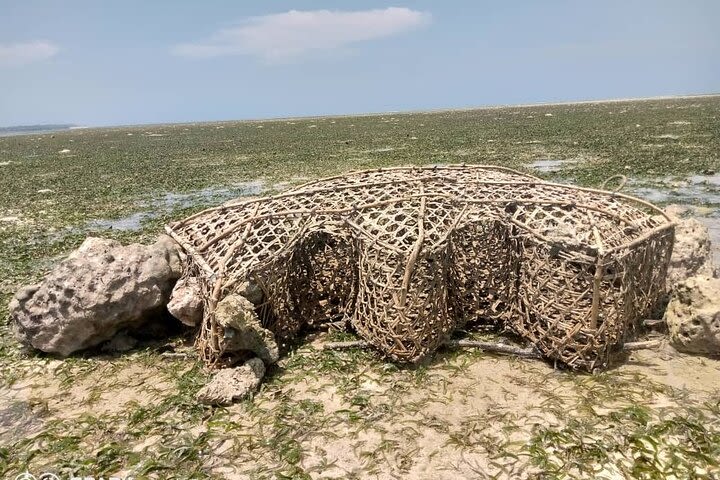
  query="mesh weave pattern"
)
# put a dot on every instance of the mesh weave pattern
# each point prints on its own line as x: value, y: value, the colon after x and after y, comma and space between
x: 407, y: 255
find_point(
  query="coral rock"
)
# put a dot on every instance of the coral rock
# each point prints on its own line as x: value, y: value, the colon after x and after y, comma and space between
x: 99, y: 290
x: 186, y: 302
x: 692, y: 252
x: 231, y: 384
x: 693, y: 316
x: 243, y: 330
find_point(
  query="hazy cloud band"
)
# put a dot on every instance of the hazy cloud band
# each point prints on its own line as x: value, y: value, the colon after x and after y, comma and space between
x: 294, y: 33
x: 17, y: 54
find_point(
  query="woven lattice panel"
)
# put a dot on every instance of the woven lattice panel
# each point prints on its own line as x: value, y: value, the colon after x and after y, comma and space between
x: 408, y: 255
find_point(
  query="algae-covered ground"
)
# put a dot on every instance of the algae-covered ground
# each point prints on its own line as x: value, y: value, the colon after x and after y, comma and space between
x: 346, y: 414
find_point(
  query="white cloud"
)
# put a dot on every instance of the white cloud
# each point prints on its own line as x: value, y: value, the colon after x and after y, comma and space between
x: 294, y: 33
x: 16, y: 54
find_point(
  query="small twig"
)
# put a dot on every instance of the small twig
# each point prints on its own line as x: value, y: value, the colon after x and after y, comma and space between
x: 650, y: 322
x: 338, y: 325
x: 174, y: 355
x: 630, y: 346
x: 487, y: 346
x: 345, y: 345
x: 494, y: 348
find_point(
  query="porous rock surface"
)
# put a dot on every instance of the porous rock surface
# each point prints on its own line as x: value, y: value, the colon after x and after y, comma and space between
x: 693, y: 316
x: 231, y: 384
x: 186, y: 302
x: 99, y: 289
x: 692, y: 252
x: 242, y: 329
x: 251, y: 291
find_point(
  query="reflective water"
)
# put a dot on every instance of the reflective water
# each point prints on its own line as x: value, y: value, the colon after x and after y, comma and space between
x: 550, y: 165
x: 171, y: 201
x: 697, y: 189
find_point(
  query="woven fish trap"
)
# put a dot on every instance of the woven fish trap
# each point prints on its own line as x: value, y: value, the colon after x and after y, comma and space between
x: 405, y: 256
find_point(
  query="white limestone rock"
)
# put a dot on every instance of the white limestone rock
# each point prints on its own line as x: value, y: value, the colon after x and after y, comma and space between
x: 242, y: 329
x: 98, y: 290
x: 232, y: 384
x: 693, y: 316
x: 186, y: 302
x: 692, y: 252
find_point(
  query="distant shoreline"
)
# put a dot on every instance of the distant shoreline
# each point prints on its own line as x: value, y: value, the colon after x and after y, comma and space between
x: 36, y: 129
x: 480, y: 107
x: 581, y: 102
x: 20, y: 130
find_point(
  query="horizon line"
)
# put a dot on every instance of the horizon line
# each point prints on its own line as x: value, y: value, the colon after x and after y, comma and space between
x: 498, y: 106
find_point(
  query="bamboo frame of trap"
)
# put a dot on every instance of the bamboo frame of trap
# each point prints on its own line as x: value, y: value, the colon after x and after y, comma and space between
x: 408, y: 255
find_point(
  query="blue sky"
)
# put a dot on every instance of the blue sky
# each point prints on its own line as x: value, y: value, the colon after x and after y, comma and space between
x: 128, y: 62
